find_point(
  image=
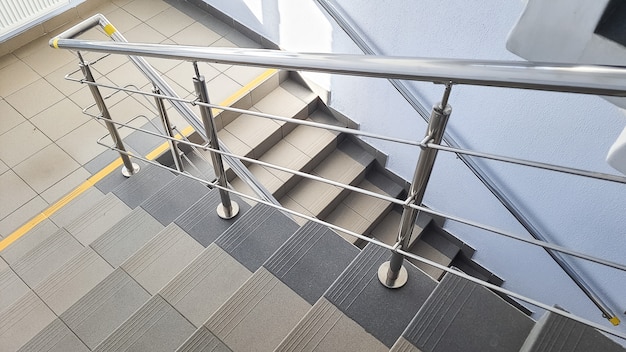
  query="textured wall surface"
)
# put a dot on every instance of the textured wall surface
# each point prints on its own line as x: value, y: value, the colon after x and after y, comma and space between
x: 565, y: 129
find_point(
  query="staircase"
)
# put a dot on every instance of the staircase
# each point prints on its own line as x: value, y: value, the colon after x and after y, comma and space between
x: 147, y: 265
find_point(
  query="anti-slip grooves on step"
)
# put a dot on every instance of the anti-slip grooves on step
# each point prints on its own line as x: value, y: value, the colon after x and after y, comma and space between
x: 23, y: 320
x: 156, y: 326
x: 96, y: 220
x: 201, y: 221
x: 48, y: 256
x: 311, y: 260
x: 105, y: 307
x: 358, y: 294
x: 139, y: 187
x: 173, y: 199
x: 126, y: 237
x: 203, y: 341
x: 461, y: 315
x: 156, y: 263
x: 11, y: 288
x: 256, y: 236
x: 74, y: 279
x: 56, y: 337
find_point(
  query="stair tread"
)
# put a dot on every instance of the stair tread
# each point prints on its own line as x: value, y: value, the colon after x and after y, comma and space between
x: 157, y: 262
x: 23, y: 320
x: 28, y: 241
x: 148, y: 181
x: 11, y: 288
x: 156, y: 326
x: 199, y: 289
x: 311, y: 260
x: 554, y: 332
x: 203, y: 340
x: 326, y: 328
x: 73, y: 280
x: 85, y: 200
x: 92, y: 223
x: 99, y: 312
x: 201, y: 221
x: 358, y: 293
x: 255, y: 237
x: 126, y: 237
x: 455, y: 317
x: 48, y: 256
x: 262, y: 298
x: 56, y: 337
x: 173, y: 199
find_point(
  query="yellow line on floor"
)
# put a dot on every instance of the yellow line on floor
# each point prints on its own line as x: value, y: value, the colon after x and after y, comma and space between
x: 15, y: 235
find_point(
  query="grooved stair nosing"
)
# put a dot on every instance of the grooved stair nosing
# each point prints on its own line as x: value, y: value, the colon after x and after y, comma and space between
x: 293, y: 250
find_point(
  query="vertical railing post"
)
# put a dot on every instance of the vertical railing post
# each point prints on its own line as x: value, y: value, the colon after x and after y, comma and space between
x: 228, y: 208
x: 129, y: 167
x: 392, y: 273
x: 169, y: 131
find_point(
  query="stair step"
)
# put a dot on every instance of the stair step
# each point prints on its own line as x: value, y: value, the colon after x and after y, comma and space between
x: 358, y: 294
x: 283, y: 290
x: 156, y: 326
x: 201, y: 221
x: 326, y: 328
x: 554, y: 332
x: 56, y: 337
x: 126, y: 237
x: 139, y: 187
x: 11, y: 288
x: 47, y: 257
x: 23, y: 320
x: 85, y: 200
x: 203, y: 341
x: 173, y: 199
x: 73, y: 280
x: 156, y: 263
x: 461, y: 315
x: 28, y: 241
x: 346, y: 165
x: 92, y: 223
x: 98, y: 313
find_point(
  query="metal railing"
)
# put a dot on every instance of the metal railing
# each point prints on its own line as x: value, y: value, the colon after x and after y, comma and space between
x: 584, y: 79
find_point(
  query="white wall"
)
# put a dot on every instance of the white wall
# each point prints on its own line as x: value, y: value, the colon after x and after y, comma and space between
x: 570, y: 130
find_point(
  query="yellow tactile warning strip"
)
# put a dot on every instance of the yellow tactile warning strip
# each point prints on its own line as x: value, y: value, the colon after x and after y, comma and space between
x: 116, y: 164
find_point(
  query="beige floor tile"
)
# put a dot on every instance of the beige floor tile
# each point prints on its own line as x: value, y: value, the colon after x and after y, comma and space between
x: 59, y: 119
x: 183, y: 74
x: 222, y: 87
x: 83, y: 98
x: 14, y: 188
x: 143, y: 33
x: 21, y: 142
x: 45, y: 168
x: 280, y: 102
x: 23, y: 214
x: 285, y: 155
x: 16, y: 76
x: 163, y: 65
x: 105, y: 64
x: 244, y: 74
x: 9, y: 117
x: 87, y: 9
x: 253, y: 130
x: 67, y: 87
x: 81, y: 144
x: 233, y: 144
x: 224, y: 43
x: 126, y: 75
x: 122, y: 20
x: 47, y: 60
x: 7, y: 59
x: 146, y: 9
x: 241, y: 41
x: 32, y: 48
x: 3, y: 167
x: 66, y: 185
x: 34, y: 98
x: 196, y: 34
x: 170, y: 22
x: 311, y: 140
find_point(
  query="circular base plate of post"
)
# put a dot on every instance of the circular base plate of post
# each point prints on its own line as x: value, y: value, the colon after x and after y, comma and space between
x: 127, y: 173
x: 234, y: 210
x: 403, y: 276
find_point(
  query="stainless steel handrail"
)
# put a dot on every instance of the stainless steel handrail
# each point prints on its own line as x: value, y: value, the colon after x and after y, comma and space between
x: 582, y: 79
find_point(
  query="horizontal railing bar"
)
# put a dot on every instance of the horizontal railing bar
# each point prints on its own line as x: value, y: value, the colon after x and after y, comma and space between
x: 545, y: 245
x: 534, y: 164
x: 583, y: 79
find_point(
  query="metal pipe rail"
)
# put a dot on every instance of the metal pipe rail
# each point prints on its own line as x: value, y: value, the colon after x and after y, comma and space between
x: 582, y: 79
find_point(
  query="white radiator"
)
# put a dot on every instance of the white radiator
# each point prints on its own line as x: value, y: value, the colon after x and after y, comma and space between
x: 16, y: 13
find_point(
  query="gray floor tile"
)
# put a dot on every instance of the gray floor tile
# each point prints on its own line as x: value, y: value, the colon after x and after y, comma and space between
x: 174, y: 198
x: 97, y: 314
x: 56, y: 337
x: 28, y: 241
x: 149, y: 180
x: 203, y: 341
x: 97, y: 219
x: 68, y: 213
x: 156, y: 263
x: 11, y: 288
x: 23, y: 320
x: 126, y: 237
x: 14, y: 188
